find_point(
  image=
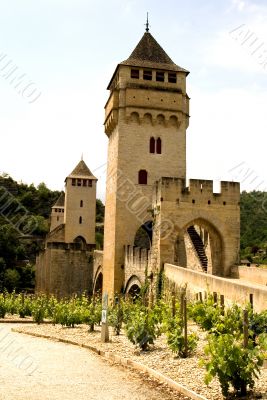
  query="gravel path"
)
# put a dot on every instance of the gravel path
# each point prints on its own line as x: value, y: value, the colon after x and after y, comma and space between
x: 185, y: 371
x: 39, y: 369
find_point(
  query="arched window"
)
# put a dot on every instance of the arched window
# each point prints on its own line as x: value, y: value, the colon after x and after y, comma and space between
x: 80, y: 220
x: 158, y: 146
x: 152, y: 145
x: 142, y: 177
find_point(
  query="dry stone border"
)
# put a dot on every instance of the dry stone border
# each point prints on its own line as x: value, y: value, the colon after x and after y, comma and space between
x: 183, y: 375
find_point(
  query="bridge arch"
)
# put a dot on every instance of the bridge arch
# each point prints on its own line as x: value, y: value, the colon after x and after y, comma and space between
x: 133, y: 286
x: 199, y: 245
x: 98, y: 281
x: 143, y: 236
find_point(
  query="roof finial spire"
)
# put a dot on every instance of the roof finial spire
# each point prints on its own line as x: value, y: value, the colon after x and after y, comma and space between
x: 147, y: 23
x: 82, y: 157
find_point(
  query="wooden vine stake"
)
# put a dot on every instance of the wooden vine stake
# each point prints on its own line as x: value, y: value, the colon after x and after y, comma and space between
x: 222, y: 303
x: 245, y: 343
x: 185, y: 327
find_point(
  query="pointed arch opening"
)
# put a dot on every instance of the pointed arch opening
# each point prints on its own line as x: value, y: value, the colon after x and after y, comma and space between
x: 143, y: 236
x: 199, y: 246
x: 133, y: 288
x: 98, y: 284
x: 158, y: 146
x: 152, y: 143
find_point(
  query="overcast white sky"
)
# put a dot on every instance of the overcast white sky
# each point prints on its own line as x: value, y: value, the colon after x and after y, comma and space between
x: 69, y: 49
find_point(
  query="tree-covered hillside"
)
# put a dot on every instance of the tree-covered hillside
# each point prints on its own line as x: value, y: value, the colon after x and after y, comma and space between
x: 253, y: 241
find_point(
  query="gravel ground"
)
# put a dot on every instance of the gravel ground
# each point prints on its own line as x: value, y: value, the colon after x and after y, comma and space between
x: 185, y: 371
x: 36, y: 369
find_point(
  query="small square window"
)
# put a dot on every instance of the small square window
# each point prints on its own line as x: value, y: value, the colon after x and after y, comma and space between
x: 135, y: 73
x: 147, y: 75
x: 79, y: 182
x: 84, y: 182
x: 73, y: 182
x: 172, y: 78
x: 160, y: 76
x: 90, y: 183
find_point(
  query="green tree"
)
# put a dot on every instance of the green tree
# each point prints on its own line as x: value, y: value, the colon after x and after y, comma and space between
x: 11, y: 279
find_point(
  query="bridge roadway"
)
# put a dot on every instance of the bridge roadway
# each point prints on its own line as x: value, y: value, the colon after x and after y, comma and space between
x: 39, y: 369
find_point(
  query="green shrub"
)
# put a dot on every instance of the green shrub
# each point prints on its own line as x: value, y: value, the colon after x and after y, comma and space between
x: 38, y: 309
x: 93, y: 313
x: 115, y: 316
x: 233, y: 364
x: 176, y: 338
x: 205, y: 314
x: 3, y: 308
x: 230, y: 322
x: 258, y: 323
x: 12, y: 303
x: 140, y: 328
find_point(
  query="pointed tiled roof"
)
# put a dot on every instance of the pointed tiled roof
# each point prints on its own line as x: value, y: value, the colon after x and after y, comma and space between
x: 81, y: 171
x: 60, y: 201
x: 149, y: 53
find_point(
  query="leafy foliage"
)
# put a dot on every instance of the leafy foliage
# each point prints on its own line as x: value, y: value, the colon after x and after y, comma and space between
x: 233, y: 363
x: 253, y: 207
x: 115, y: 316
x: 176, y: 338
x: 204, y: 313
x: 140, y: 327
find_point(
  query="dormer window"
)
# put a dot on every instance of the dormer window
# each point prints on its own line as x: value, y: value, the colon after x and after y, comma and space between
x: 147, y: 75
x: 135, y: 73
x: 172, y: 77
x: 160, y: 76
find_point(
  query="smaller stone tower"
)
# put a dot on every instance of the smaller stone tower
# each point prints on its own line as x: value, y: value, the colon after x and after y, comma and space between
x: 65, y: 265
x: 80, y: 205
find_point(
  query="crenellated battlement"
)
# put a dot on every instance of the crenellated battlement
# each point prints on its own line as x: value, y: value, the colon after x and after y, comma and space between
x: 199, y: 191
x: 136, y: 256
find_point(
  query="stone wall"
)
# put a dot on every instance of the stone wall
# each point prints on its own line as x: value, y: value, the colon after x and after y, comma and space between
x: 252, y: 274
x: 135, y: 264
x: 98, y: 263
x: 176, y: 207
x: 234, y: 290
x: 63, y: 269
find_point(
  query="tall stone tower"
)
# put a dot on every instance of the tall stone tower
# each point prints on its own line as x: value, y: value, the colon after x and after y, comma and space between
x: 80, y: 205
x: 146, y: 117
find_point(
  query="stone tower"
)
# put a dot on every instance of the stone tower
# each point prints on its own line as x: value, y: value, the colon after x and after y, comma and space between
x: 146, y: 117
x: 80, y: 205
x: 65, y: 265
x: 57, y: 213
